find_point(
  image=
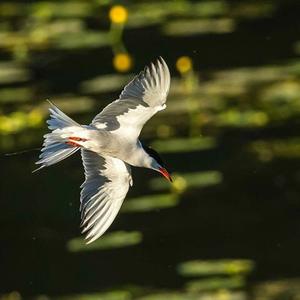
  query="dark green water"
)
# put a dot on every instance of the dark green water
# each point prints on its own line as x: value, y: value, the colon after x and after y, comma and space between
x: 236, y: 195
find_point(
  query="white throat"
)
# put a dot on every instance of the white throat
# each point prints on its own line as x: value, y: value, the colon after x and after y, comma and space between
x: 140, y: 158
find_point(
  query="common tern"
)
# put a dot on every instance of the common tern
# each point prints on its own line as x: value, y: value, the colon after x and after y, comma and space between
x: 109, y: 146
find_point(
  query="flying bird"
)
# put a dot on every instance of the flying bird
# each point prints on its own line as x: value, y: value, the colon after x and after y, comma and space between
x: 109, y: 146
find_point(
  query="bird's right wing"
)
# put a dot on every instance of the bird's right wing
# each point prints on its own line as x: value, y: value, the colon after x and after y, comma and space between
x: 141, y: 98
x: 106, y: 184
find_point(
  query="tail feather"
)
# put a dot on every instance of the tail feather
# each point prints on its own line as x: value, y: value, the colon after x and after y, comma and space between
x: 55, y: 147
x: 58, y: 119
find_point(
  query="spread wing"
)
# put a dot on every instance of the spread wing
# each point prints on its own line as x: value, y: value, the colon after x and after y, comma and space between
x: 106, y: 184
x: 141, y: 98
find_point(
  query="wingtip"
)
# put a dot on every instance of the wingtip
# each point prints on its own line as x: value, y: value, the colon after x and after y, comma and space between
x: 52, y: 104
x: 38, y: 169
x: 162, y: 62
x: 152, y: 66
x: 89, y: 240
x: 164, y: 70
x: 160, y: 59
x: 92, y: 236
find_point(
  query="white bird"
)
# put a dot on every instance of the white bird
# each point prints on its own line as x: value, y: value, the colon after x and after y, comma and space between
x: 109, y: 146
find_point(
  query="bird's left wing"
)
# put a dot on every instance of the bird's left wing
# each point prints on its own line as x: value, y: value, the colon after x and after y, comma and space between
x: 106, y: 184
x: 141, y: 98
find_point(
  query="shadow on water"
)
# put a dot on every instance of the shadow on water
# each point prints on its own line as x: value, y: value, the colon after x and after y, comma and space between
x: 228, y: 227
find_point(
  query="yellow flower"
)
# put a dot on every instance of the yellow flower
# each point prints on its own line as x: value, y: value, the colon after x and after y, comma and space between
x: 118, y: 14
x: 122, y: 62
x: 184, y: 64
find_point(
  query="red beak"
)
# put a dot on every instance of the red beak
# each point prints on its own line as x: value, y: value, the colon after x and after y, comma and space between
x: 165, y: 173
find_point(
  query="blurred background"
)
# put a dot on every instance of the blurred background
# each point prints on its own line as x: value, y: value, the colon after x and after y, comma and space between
x: 229, y: 226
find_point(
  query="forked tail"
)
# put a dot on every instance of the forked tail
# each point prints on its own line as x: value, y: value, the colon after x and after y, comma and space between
x: 62, y: 141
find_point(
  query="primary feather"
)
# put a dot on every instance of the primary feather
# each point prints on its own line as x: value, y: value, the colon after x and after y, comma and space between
x: 141, y: 98
x: 106, y: 184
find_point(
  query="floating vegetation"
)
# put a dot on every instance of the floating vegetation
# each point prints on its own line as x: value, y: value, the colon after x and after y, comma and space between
x: 170, y: 296
x: 117, y: 239
x: 71, y: 104
x: 278, y: 289
x: 15, y: 94
x: 176, y: 145
x: 105, y: 84
x: 84, y: 39
x: 193, y: 27
x: 253, y: 75
x: 237, y: 118
x: 149, y: 203
x: 267, y: 150
x: 282, y: 93
x: 215, y: 267
x: 125, y: 294
x: 182, y: 107
x: 218, y: 294
x: 255, y: 9
x: 281, y: 99
x: 11, y: 296
x: 143, y: 14
x: 188, y: 180
x: 18, y: 121
x: 63, y: 9
x: 13, y: 73
x: 206, y: 9
x: 111, y: 295
x: 164, y: 131
x: 215, y: 283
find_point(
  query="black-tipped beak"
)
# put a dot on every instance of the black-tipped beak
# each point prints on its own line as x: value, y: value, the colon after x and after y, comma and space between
x: 165, y: 173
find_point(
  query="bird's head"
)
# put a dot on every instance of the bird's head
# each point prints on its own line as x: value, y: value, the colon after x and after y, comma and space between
x: 157, y: 163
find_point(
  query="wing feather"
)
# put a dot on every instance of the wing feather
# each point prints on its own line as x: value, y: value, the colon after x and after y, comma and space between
x: 141, y: 98
x: 106, y: 184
